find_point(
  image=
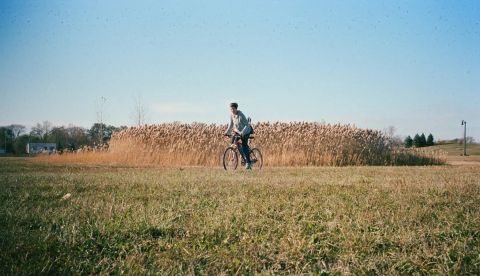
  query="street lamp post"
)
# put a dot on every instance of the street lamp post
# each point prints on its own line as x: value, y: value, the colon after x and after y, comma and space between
x: 464, y: 124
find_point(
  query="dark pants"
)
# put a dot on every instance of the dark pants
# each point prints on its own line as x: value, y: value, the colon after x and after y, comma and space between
x: 243, y: 148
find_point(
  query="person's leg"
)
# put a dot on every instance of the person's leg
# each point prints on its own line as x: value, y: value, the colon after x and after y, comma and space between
x: 240, y: 148
x: 242, y: 152
x: 246, y: 149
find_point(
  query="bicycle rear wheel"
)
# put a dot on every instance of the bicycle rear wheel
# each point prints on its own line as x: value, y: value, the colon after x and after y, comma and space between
x: 256, y: 158
x: 230, y: 159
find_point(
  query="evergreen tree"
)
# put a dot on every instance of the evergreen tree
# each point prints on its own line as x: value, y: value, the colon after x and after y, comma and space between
x: 430, y: 140
x: 416, y: 141
x: 408, y: 142
x: 423, y: 140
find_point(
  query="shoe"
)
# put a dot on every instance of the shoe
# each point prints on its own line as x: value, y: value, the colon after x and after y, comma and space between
x: 248, y: 166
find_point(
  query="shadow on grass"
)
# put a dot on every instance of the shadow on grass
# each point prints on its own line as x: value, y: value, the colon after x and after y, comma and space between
x: 415, y: 158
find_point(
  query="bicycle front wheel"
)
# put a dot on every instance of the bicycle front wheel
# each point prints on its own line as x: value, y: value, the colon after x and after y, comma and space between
x: 256, y: 158
x: 230, y: 159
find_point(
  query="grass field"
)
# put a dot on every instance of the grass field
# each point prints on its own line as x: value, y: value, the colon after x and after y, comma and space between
x: 454, y: 149
x: 354, y: 220
x: 455, y: 153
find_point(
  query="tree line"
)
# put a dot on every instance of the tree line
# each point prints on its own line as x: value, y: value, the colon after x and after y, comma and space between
x: 14, y: 138
x: 419, y: 141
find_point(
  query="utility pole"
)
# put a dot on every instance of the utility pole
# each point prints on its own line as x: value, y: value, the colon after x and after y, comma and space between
x: 464, y: 124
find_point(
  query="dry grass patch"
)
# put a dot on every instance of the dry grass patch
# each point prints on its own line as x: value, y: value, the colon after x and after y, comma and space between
x: 282, y: 144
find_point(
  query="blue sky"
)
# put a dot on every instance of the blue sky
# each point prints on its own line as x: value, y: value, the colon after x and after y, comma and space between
x: 414, y: 65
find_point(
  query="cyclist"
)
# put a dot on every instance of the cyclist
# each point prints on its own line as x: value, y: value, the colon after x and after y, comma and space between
x: 240, y: 126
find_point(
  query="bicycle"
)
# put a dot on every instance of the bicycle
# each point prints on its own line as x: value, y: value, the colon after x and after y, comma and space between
x: 230, y: 156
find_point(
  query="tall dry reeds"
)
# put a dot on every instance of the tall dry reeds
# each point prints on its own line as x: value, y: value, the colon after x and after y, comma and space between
x: 282, y: 144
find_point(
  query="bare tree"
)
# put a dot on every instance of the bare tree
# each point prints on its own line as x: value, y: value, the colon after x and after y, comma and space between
x: 41, y: 130
x: 101, y: 117
x: 17, y: 130
x: 390, y: 131
x: 469, y: 139
x: 139, y: 112
x: 394, y: 139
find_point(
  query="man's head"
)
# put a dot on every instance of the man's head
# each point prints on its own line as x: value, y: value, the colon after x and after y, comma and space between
x: 233, y: 108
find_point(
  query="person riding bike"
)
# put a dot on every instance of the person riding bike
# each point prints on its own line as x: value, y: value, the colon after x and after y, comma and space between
x: 240, y: 126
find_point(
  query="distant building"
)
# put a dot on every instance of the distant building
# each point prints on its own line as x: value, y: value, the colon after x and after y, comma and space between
x: 2, y: 151
x: 35, y: 148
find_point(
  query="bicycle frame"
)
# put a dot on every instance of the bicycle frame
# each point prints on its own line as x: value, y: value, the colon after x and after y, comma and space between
x: 235, y: 145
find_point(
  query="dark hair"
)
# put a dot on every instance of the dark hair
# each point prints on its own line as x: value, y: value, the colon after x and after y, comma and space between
x: 235, y: 105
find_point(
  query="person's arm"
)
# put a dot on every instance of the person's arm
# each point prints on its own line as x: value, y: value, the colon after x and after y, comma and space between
x: 244, y: 122
x: 230, y: 126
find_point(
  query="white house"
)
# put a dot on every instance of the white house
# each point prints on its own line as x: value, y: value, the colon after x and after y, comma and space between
x: 34, y: 148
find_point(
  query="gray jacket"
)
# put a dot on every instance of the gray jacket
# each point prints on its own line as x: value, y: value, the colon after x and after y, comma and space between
x: 240, y: 123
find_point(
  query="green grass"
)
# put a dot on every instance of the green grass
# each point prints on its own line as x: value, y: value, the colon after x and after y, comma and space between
x: 358, y: 220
